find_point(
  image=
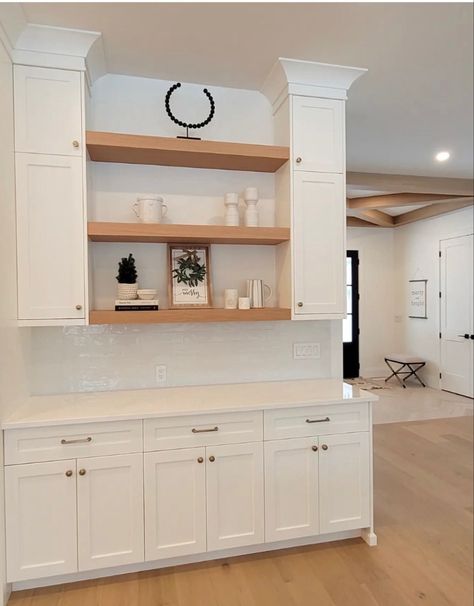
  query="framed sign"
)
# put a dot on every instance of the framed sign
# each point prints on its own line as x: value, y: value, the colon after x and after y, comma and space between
x: 189, y: 275
x: 417, y: 299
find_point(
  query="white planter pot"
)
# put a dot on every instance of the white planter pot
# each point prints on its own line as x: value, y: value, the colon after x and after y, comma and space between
x: 127, y: 291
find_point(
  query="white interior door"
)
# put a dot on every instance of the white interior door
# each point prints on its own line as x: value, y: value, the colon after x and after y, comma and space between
x: 110, y: 511
x: 456, y: 325
x: 175, y: 503
x: 291, y: 489
x: 234, y: 475
x: 344, y: 482
x: 40, y: 501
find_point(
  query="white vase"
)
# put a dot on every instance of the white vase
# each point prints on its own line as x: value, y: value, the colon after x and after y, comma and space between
x: 231, y: 203
x: 127, y: 292
x: 251, y: 212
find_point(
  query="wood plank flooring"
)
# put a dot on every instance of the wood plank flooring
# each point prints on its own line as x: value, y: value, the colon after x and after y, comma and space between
x: 424, y: 505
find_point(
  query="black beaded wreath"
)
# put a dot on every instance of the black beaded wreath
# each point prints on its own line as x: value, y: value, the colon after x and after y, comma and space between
x: 184, y: 124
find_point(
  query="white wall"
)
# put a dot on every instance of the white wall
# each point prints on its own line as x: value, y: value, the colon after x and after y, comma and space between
x: 13, y: 341
x: 417, y: 246
x: 122, y: 357
x: 377, y: 307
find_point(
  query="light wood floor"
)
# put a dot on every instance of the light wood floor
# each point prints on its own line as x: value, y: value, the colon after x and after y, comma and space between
x: 423, y: 498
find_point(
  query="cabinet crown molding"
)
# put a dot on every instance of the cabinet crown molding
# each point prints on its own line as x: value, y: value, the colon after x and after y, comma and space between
x: 309, y: 78
x: 63, y: 48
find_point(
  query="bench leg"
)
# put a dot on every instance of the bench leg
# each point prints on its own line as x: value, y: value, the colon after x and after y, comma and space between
x: 413, y: 373
x: 395, y: 372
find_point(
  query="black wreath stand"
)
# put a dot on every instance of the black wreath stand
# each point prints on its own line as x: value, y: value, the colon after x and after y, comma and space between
x: 185, y: 124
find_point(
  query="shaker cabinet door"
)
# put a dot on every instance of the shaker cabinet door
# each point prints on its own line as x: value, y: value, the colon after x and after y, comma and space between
x: 50, y: 237
x: 318, y: 134
x: 175, y: 503
x: 48, y: 112
x: 235, y: 499
x: 291, y: 489
x: 319, y: 244
x: 110, y: 511
x: 344, y: 482
x: 41, y: 533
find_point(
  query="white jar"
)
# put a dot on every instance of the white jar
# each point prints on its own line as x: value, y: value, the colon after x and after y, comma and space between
x: 251, y: 212
x: 231, y: 203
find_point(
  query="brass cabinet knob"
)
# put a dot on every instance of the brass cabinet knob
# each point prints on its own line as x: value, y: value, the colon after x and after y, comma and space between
x: 82, y: 472
x: 300, y: 304
x: 212, y: 459
x: 68, y: 473
x: 298, y: 160
x: 324, y: 446
x: 200, y: 460
x: 78, y: 307
x: 75, y: 143
x: 315, y: 448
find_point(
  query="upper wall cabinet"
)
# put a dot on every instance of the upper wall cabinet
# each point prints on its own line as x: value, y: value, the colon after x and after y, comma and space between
x: 50, y: 237
x: 318, y: 134
x: 48, y: 111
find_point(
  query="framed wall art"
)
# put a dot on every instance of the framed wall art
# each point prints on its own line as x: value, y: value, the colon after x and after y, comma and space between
x: 417, y: 299
x: 189, y: 276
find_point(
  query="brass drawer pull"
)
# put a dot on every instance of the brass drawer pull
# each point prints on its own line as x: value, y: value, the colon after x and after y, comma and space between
x: 82, y: 472
x: 324, y: 446
x: 194, y: 430
x: 326, y: 420
x: 68, y: 473
x: 77, y: 441
x: 314, y: 448
x: 200, y: 460
x: 212, y: 458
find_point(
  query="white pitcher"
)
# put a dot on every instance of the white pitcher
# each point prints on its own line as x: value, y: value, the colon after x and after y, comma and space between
x: 150, y: 208
x: 256, y: 293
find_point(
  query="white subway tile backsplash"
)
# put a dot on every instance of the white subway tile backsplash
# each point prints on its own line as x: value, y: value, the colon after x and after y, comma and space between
x: 100, y: 358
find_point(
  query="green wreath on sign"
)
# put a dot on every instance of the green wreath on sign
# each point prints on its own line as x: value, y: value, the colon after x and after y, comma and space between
x: 189, y: 271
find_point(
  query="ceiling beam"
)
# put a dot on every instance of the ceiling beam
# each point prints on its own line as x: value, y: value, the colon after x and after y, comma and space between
x: 432, y: 211
x: 410, y: 183
x: 356, y: 222
x: 377, y: 218
x: 394, y: 200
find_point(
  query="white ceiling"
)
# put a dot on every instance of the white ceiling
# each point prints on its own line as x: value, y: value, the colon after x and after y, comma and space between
x: 415, y: 100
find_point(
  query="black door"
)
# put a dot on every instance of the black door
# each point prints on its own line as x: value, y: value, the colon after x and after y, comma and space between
x: 350, y: 329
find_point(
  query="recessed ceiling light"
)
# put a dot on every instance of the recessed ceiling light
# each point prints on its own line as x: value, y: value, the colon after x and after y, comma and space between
x: 442, y: 156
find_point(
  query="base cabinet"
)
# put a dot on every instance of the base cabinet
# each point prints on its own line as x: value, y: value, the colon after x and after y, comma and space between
x: 40, y: 509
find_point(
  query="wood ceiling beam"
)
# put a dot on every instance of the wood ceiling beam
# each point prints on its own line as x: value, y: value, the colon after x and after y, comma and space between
x: 432, y: 211
x: 377, y: 218
x: 356, y: 222
x: 394, y: 200
x: 410, y: 184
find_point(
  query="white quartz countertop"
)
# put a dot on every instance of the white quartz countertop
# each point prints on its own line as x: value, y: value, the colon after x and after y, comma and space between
x: 61, y: 409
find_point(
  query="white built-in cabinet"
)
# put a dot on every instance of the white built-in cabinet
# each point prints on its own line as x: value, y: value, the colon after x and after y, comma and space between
x: 50, y: 195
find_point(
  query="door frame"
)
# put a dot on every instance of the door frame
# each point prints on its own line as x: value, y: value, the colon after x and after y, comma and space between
x: 354, y: 255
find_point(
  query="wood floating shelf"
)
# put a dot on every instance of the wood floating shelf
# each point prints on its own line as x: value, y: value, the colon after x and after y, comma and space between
x: 166, y: 151
x: 198, y: 234
x: 167, y: 316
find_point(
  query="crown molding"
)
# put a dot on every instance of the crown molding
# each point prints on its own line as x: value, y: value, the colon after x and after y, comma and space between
x: 62, y: 48
x: 309, y: 78
x: 12, y: 23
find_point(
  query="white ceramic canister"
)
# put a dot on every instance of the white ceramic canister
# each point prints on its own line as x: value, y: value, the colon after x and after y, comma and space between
x: 150, y: 208
x: 231, y: 202
x: 231, y: 296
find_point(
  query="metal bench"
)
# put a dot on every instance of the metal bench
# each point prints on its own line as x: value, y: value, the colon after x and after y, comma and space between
x: 412, y: 363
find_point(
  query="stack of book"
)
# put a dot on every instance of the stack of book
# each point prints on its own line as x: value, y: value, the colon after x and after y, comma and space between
x: 137, y: 305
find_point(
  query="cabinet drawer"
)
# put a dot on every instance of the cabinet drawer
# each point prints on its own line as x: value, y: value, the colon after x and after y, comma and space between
x: 202, y: 430
x: 316, y: 420
x: 71, y: 441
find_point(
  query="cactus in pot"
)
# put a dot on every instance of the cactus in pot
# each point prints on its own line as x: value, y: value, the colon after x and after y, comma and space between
x: 127, y: 278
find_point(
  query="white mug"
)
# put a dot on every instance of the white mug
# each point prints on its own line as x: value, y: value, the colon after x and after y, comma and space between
x: 256, y: 293
x: 150, y: 208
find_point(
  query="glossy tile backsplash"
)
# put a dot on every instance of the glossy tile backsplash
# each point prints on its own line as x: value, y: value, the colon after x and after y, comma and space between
x: 101, y: 358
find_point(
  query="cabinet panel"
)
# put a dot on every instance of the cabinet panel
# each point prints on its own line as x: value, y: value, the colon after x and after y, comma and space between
x: 175, y: 503
x: 48, y: 113
x: 235, y: 501
x: 50, y: 237
x: 110, y: 511
x: 291, y: 489
x: 318, y: 134
x: 344, y: 482
x: 41, y: 527
x: 318, y: 244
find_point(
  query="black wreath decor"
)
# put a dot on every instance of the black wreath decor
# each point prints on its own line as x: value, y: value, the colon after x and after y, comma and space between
x: 184, y: 124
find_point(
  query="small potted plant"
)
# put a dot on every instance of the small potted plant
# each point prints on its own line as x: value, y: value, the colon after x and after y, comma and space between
x: 127, y: 278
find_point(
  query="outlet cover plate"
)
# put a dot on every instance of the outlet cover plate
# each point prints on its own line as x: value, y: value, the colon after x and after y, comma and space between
x: 303, y: 351
x: 161, y: 374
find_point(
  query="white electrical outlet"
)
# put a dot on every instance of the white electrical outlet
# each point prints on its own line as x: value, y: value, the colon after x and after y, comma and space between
x: 306, y: 350
x: 161, y: 374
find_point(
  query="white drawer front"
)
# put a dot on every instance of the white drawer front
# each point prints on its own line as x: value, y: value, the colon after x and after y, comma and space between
x: 202, y: 430
x: 70, y: 441
x: 316, y: 420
